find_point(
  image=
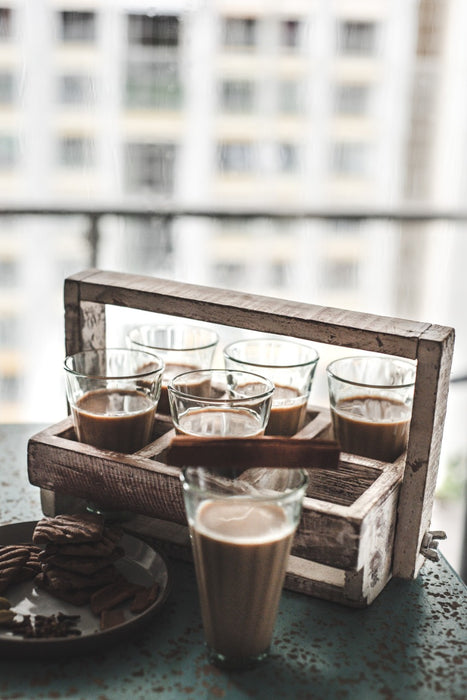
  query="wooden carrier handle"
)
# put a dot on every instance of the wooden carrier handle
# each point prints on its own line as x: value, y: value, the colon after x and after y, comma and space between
x: 245, y: 453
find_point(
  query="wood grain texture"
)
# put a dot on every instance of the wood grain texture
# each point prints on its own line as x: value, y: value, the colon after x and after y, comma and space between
x: 238, y: 454
x: 303, y: 575
x: 426, y: 431
x: 316, y: 323
x: 113, y: 480
x: 84, y: 321
x: 143, y: 483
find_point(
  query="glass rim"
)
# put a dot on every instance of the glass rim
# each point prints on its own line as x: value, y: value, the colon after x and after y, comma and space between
x: 219, y: 402
x: 181, y: 348
x: 270, y: 497
x: 95, y: 351
x: 277, y: 341
x: 330, y: 369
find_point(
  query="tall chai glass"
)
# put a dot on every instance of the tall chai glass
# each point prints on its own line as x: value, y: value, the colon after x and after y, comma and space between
x: 241, y: 532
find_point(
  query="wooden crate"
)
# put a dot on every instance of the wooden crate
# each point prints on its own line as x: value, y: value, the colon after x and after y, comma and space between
x: 361, y: 524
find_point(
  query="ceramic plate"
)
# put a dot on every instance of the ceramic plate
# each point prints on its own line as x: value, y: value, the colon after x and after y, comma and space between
x: 140, y: 564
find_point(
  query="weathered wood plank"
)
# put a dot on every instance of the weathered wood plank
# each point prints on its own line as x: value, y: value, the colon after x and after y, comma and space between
x: 320, y: 324
x: 426, y: 431
x: 77, y: 335
x: 113, y: 480
x: 302, y: 576
x: 328, y: 533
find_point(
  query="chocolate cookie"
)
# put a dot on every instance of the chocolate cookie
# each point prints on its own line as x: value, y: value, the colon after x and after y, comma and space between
x: 12, y: 559
x: 111, y: 618
x: 60, y: 579
x: 86, y: 527
x: 80, y: 565
x: 144, y: 598
x: 112, y: 595
x: 32, y: 566
x: 104, y: 547
x: 76, y: 597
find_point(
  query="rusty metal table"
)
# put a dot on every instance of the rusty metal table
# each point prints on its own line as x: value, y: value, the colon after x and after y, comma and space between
x: 411, y: 643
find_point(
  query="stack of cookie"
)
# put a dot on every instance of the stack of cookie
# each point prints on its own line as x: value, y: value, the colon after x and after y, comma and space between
x: 77, y: 555
x: 73, y: 558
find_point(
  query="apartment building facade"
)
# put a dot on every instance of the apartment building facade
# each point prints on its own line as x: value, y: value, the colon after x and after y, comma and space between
x: 240, y: 105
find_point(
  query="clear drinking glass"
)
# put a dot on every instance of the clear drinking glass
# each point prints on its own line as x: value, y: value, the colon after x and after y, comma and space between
x: 290, y: 365
x: 113, y: 395
x: 371, y: 404
x: 183, y: 347
x: 241, y: 532
x: 221, y: 403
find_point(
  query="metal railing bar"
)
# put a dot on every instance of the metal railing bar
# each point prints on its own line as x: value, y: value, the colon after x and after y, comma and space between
x: 167, y: 210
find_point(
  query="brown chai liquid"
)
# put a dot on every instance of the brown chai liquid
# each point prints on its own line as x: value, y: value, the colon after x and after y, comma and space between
x: 372, y: 426
x: 172, y: 370
x: 241, y: 552
x: 288, y: 411
x: 119, y: 420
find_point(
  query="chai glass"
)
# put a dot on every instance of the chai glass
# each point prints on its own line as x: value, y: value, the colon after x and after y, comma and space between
x: 220, y: 403
x: 241, y: 531
x: 113, y: 395
x: 290, y: 365
x: 183, y: 347
x: 371, y: 404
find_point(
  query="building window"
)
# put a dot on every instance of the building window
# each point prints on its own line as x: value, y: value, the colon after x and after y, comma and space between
x: 9, y: 387
x: 8, y: 151
x: 350, y: 159
x: 289, y: 34
x: 157, y: 30
x: 235, y: 157
x: 357, y: 38
x: 288, y: 157
x: 76, y: 89
x: 340, y: 274
x: 5, y: 23
x: 153, y: 84
x: 237, y: 96
x: 289, y: 96
x: 8, y: 278
x: 431, y: 24
x: 77, y: 26
x: 352, y: 99
x: 150, y: 166
x: 230, y: 274
x: 76, y: 152
x: 239, y: 32
x: 6, y: 88
x: 9, y: 325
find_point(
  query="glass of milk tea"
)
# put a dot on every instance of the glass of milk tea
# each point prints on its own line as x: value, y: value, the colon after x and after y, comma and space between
x: 113, y: 395
x: 241, y: 532
x: 182, y: 346
x: 220, y: 403
x: 371, y: 404
x: 290, y: 365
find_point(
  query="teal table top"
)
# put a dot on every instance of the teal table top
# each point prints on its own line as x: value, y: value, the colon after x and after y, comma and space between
x: 411, y: 643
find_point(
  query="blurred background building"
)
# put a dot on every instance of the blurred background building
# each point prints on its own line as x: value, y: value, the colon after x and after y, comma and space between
x: 312, y: 150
